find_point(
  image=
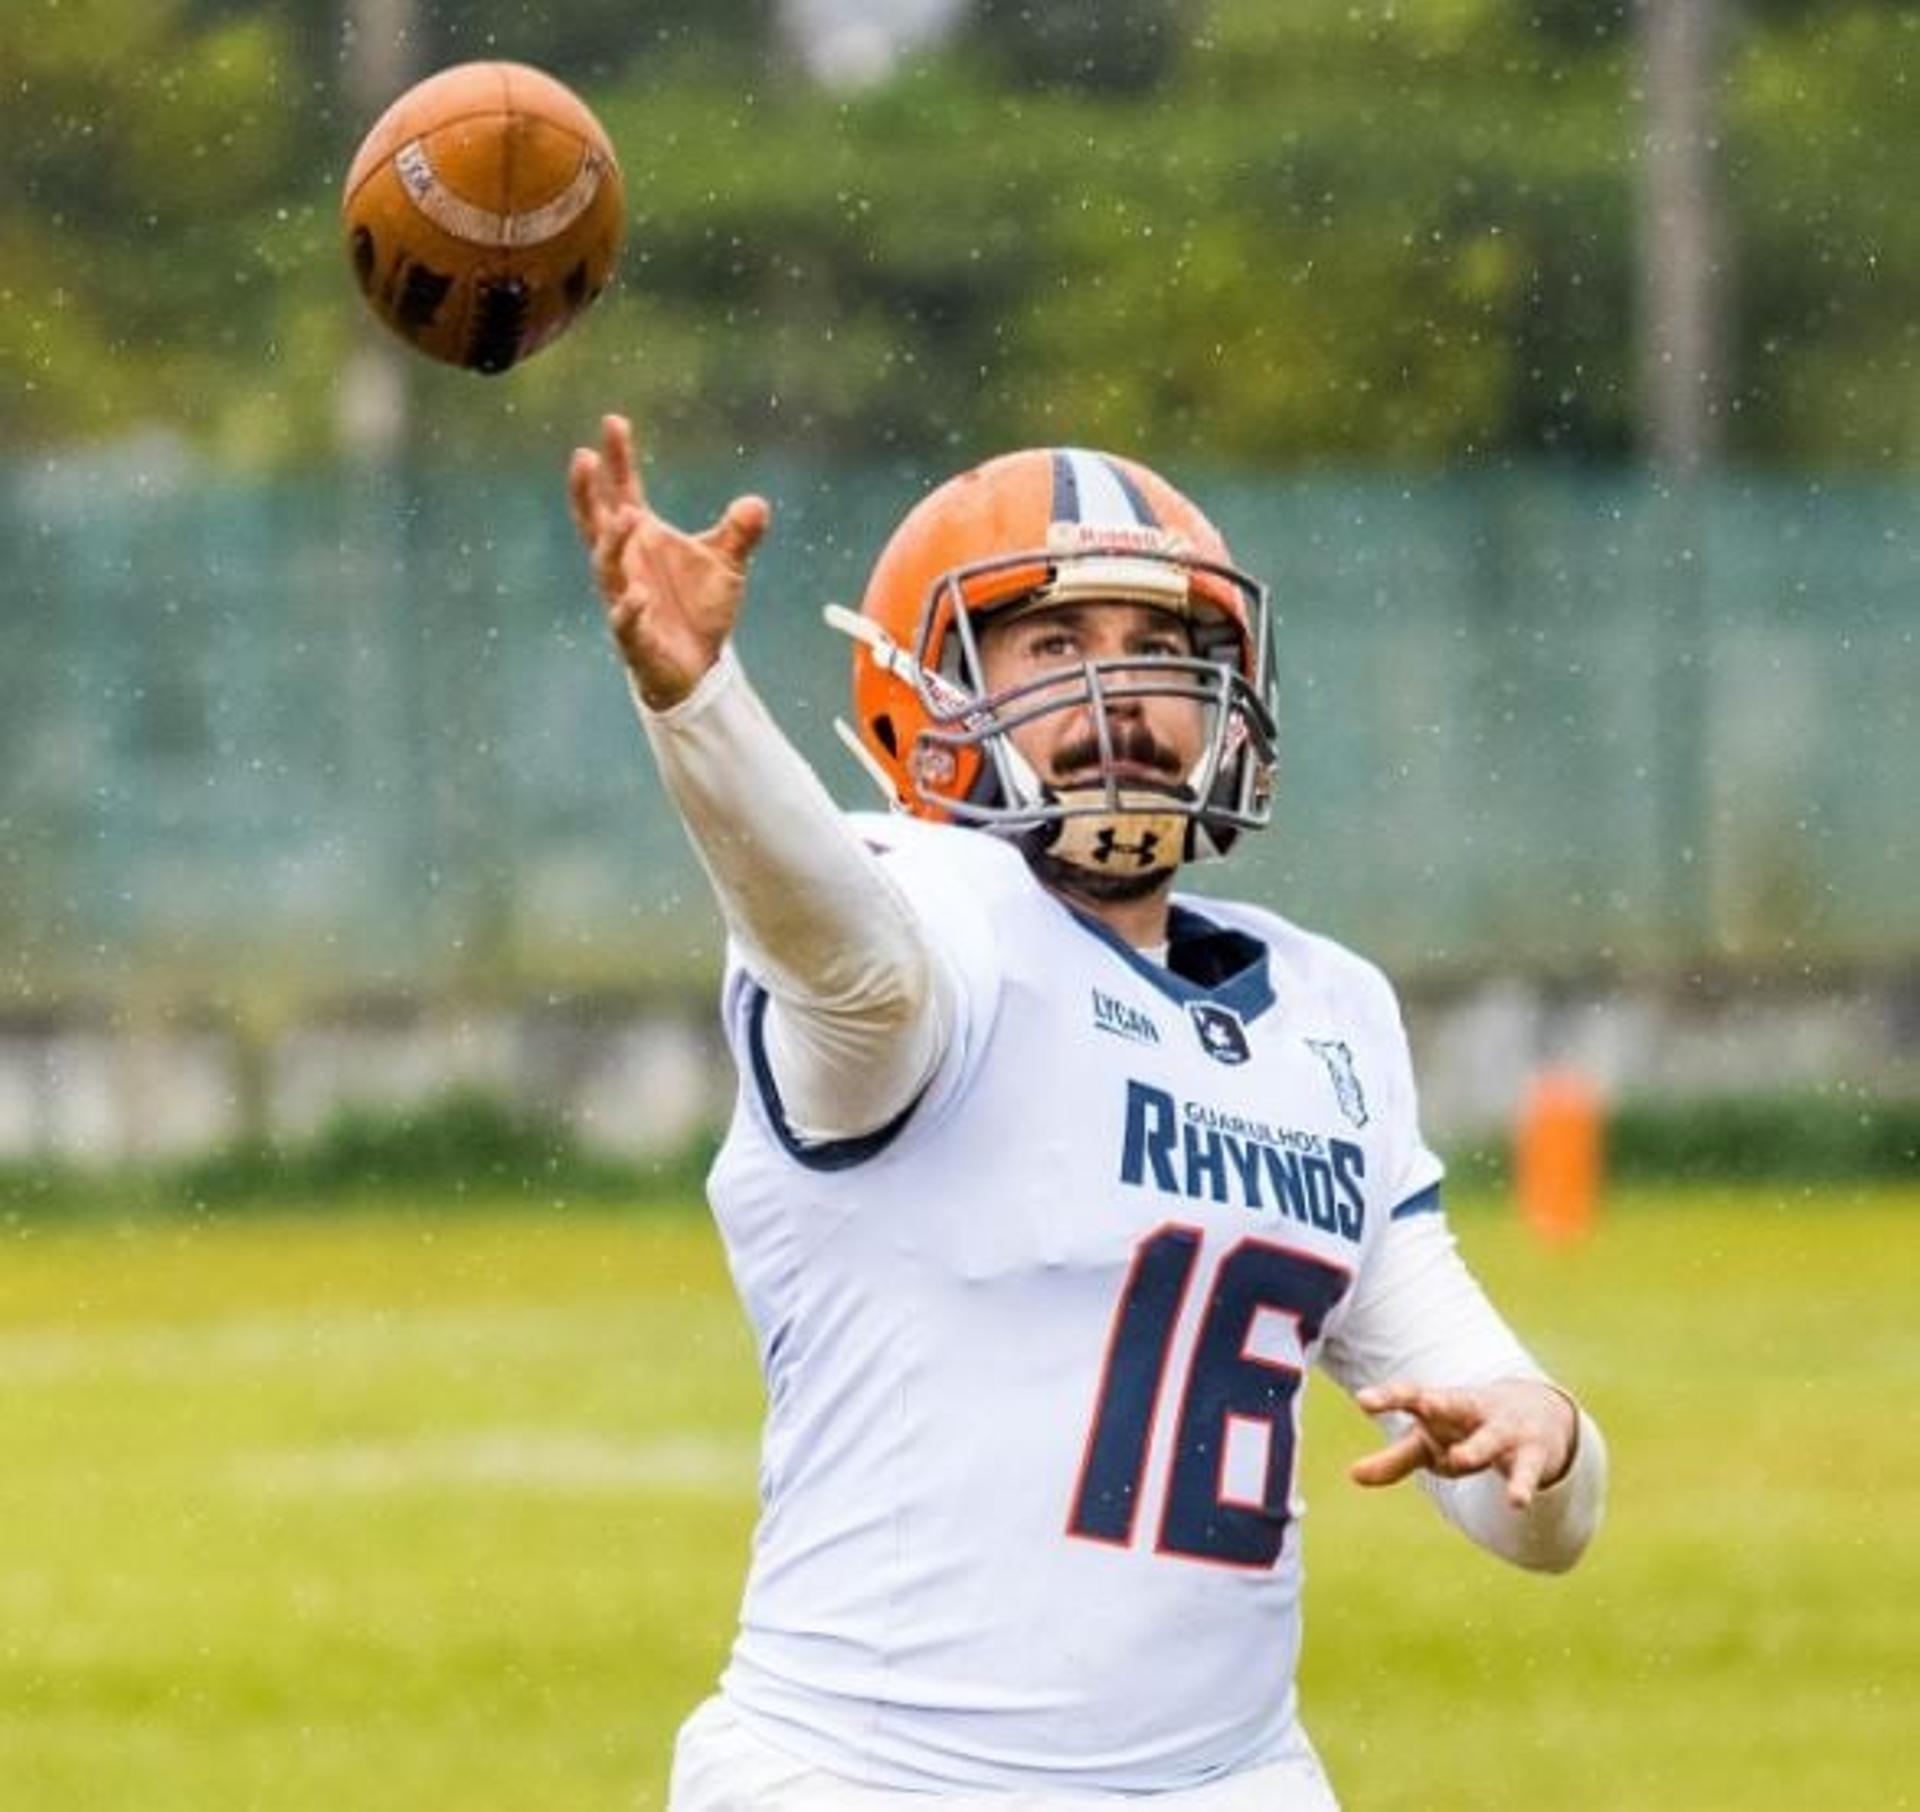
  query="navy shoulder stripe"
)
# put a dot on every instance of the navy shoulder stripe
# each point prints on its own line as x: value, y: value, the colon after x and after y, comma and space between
x: 824, y: 1154
x: 1426, y: 1202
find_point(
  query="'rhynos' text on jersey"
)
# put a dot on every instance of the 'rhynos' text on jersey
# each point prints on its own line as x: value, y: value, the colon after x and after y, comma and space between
x: 1188, y: 1148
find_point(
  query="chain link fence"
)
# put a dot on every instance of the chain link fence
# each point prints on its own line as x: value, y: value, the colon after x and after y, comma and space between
x: 353, y: 735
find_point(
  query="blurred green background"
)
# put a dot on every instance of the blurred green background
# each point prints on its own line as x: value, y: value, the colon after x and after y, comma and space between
x: 1217, y: 231
x: 382, y: 1424
x: 1553, y: 362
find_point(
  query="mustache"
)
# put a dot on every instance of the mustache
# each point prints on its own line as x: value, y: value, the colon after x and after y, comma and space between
x: 1134, y: 745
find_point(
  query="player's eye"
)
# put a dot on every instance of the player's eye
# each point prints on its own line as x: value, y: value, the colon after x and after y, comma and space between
x: 1051, y: 644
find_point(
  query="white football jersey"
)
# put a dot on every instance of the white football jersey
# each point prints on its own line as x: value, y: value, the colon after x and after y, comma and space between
x: 1034, y: 1354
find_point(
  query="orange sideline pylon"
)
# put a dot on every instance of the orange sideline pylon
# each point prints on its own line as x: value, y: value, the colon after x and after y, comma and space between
x: 1557, y: 1155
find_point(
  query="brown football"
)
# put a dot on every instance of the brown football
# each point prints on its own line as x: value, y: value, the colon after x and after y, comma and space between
x: 483, y: 213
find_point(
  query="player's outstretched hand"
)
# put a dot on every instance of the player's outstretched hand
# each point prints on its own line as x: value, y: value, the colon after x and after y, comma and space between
x: 1525, y: 1430
x: 671, y: 598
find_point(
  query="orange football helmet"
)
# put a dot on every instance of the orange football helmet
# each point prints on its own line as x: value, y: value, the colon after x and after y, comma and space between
x: 1048, y: 526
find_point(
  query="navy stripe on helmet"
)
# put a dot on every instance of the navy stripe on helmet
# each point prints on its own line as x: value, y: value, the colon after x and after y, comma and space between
x: 1136, y: 498
x: 1066, y: 490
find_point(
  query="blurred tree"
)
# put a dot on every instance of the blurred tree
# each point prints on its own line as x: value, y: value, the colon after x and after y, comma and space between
x: 1324, y: 230
x: 585, y: 42
x: 598, y: 42
x: 1348, y: 232
x: 1574, y: 24
x: 1124, y: 47
x: 150, y: 152
x: 1823, y: 141
x: 1682, y: 250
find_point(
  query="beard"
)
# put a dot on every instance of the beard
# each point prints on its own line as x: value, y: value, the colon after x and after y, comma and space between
x: 1082, y: 771
x: 1060, y: 876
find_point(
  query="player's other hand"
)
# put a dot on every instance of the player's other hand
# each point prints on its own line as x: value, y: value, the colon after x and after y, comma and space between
x: 1523, y: 1429
x: 671, y: 598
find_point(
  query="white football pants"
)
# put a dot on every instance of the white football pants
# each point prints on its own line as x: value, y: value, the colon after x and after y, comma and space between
x: 721, y: 1766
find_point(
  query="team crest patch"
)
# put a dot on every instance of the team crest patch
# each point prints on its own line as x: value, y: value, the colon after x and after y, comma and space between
x: 1222, y: 1036
x: 1345, y: 1078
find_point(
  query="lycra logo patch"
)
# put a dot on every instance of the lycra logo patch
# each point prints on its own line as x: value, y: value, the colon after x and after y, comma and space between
x: 1122, y: 1020
x: 1222, y: 1036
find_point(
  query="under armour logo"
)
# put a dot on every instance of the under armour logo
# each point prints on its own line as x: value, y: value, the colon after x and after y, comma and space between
x: 1107, y: 845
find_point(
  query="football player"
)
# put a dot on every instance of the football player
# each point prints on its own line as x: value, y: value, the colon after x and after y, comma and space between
x: 1047, y: 1184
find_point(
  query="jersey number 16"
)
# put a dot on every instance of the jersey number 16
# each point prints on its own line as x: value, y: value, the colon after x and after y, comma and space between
x: 1225, y: 1384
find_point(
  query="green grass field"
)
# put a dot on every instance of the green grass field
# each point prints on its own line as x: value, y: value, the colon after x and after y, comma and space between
x: 392, y: 1511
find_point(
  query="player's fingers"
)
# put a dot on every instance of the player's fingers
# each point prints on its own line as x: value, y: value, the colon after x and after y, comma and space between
x: 1458, y: 1408
x: 610, y: 553
x: 1523, y: 1478
x: 582, y: 470
x: 1396, y: 1393
x: 623, y: 616
x: 622, y: 465
x: 1448, y: 1416
x: 1480, y: 1449
x: 1390, y: 1464
x: 739, y: 531
x: 608, y: 539
x: 1434, y: 1409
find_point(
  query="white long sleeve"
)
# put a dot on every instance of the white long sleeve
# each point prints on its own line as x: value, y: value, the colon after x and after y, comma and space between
x: 859, y: 1002
x: 1554, y: 1530
x: 1422, y: 1316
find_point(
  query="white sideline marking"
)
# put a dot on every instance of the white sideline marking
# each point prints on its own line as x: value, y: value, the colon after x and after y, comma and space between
x: 506, y: 1459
